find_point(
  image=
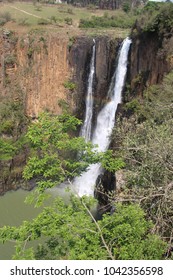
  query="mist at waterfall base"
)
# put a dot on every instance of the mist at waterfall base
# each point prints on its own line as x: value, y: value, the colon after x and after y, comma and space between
x: 84, y: 184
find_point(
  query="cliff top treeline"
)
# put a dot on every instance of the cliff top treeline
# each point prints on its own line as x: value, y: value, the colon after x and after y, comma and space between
x: 155, y: 18
x: 101, y: 4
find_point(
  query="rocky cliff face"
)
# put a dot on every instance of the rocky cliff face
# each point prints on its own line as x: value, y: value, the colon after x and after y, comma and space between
x: 151, y: 57
x: 39, y: 66
x: 80, y: 57
x: 48, y: 70
x: 106, y: 57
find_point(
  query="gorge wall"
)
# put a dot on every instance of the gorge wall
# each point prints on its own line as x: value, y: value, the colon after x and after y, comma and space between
x: 38, y: 65
x: 151, y: 57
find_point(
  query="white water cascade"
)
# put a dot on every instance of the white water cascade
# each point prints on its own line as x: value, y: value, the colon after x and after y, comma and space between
x: 84, y: 184
x: 86, y: 128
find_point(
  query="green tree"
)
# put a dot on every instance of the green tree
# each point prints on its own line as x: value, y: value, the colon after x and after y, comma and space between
x: 56, y: 154
x: 74, y: 233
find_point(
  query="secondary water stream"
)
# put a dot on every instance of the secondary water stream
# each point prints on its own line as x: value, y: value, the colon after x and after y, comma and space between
x: 86, y: 128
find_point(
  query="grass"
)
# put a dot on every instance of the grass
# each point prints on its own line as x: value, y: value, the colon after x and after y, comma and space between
x: 56, y: 16
x: 43, y: 11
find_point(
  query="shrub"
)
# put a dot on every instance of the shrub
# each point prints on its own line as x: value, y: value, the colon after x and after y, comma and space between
x: 126, y: 7
x: 70, y: 11
x: 107, y: 22
x: 69, y: 85
x: 53, y: 19
x: 23, y: 22
x: 10, y: 60
x: 5, y: 17
x: 68, y: 20
x: 2, y: 21
x: 43, y: 21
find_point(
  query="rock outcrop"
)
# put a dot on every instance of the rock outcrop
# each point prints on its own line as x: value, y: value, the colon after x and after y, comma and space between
x: 151, y: 57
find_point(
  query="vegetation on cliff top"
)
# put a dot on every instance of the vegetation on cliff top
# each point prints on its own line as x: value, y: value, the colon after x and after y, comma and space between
x: 23, y: 16
x: 155, y: 17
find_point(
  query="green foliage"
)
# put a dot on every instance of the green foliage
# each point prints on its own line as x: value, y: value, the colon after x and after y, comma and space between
x: 74, y: 234
x: 23, y: 22
x: 107, y: 22
x: 12, y: 121
x: 71, y: 42
x: 38, y: 8
x: 111, y: 163
x: 130, y: 234
x: 133, y: 106
x: 156, y: 17
x: 43, y: 21
x: 53, y: 19
x: 70, y: 85
x: 70, y: 11
x: 53, y: 145
x: 2, y: 21
x: 5, y: 17
x: 7, y: 149
x: 10, y: 60
x: 152, y: 6
x: 11, y: 117
x: 126, y: 7
x: 68, y: 20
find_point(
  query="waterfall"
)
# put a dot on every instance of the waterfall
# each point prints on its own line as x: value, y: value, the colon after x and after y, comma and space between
x: 85, y: 183
x: 86, y: 128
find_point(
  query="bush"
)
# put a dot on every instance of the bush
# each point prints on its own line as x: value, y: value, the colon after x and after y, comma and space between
x: 10, y: 60
x: 107, y: 22
x: 133, y: 106
x: 53, y: 19
x: 23, y: 22
x: 2, y: 21
x: 69, y: 85
x: 68, y: 20
x: 70, y: 11
x: 126, y: 7
x: 5, y: 17
x: 43, y: 21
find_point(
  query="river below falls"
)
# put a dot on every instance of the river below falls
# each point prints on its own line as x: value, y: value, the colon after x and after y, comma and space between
x: 13, y: 211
